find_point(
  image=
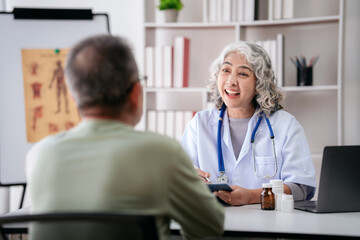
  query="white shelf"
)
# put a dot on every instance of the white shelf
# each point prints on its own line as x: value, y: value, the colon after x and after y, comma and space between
x: 177, y: 90
x: 286, y: 89
x: 245, y: 24
x: 310, y: 88
x: 293, y: 21
x: 190, y: 25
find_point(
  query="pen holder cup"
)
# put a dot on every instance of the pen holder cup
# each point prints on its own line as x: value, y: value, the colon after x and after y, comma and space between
x: 304, y: 76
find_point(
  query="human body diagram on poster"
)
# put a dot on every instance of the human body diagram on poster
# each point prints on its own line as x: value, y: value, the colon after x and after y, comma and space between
x: 48, y: 107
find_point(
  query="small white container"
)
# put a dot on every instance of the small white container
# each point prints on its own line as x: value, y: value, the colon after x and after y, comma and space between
x: 287, y: 203
x: 278, y: 198
x: 277, y: 186
x: 278, y: 190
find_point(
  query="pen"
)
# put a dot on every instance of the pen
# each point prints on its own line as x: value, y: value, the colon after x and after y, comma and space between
x: 311, y: 61
x: 303, y: 60
x: 316, y: 59
x: 208, y: 179
x: 297, y: 61
x: 293, y: 61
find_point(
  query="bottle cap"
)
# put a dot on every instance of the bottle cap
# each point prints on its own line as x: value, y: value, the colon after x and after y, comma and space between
x: 287, y: 197
x: 266, y: 185
x: 277, y: 183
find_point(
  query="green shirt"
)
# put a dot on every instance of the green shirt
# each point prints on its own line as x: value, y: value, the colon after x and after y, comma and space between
x: 105, y: 165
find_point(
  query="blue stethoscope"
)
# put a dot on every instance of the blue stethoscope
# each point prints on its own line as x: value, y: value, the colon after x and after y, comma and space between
x: 222, y: 177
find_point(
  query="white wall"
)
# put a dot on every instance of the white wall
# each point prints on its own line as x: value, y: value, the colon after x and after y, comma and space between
x: 2, y: 6
x: 4, y: 191
x: 351, y: 76
x: 126, y: 19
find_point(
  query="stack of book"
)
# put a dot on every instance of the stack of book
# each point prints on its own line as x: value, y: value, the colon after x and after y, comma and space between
x: 282, y: 9
x: 231, y: 10
x: 220, y: 11
x: 168, y: 66
x: 168, y: 123
x: 275, y: 49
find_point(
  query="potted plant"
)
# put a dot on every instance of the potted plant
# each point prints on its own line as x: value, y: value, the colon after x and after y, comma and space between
x: 171, y: 8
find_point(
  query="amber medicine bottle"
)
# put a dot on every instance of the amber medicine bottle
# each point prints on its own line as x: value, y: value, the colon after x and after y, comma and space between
x: 267, y: 197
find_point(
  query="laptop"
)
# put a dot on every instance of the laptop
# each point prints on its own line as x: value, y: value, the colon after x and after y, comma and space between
x: 339, y: 187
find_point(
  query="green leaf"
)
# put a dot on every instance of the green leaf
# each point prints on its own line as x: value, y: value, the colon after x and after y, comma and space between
x: 170, y: 4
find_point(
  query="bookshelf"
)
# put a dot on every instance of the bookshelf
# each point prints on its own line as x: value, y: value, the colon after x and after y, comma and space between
x: 315, y: 29
x: 244, y: 24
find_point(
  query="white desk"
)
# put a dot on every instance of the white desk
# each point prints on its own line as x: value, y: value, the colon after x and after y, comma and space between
x: 250, y: 220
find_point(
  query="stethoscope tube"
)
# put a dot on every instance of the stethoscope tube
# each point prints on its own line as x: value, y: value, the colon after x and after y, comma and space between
x: 273, y: 145
x: 219, y: 147
x: 221, y: 164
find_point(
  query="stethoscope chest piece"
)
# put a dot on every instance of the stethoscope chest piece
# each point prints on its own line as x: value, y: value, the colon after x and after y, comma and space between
x: 222, y: 178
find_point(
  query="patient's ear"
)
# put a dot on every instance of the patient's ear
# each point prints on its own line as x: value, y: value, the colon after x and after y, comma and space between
x: 73, y: 98
x: 136, y: 102
x: 135, y: 95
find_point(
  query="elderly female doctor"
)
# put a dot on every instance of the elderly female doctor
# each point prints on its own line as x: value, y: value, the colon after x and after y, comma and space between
x: 249, y: 139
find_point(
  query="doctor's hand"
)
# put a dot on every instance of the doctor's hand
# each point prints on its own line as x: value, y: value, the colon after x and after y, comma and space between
x: 239, y: 196
x: 204, y: 175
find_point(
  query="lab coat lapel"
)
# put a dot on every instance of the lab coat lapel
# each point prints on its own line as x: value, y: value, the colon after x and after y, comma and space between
x: 226, y: 134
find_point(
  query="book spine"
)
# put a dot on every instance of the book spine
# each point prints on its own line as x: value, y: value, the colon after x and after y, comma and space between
x: 158, y: 81
x: 280, y: 59
x: 273, y: 56
x: 168, y: 66
x: 249, y: 10
x: 288, y: 9
x: 149, y: 66
x: 185, y: 80
x: 170, y: 124
x: 181, y: 62
x: 241, y: 11
x: 266, y: 45
x: 160, y: 123
x: 234, y: 9
x: 179, y: 124
x: 206, y: 11
x: 277, y: 9
x: 271, y: 10
x: 213, y: 10
x: 220, y: 5
x: 178, y: 61
x: 151, y: 121
x: 227, y: 10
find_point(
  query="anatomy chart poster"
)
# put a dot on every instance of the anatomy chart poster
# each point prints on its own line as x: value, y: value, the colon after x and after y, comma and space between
x: 49, y: 107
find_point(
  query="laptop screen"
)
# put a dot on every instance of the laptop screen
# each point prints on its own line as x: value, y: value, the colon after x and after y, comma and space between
x: 339, y: 187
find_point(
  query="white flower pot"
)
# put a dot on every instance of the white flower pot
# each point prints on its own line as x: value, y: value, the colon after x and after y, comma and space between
x: 171, y: 15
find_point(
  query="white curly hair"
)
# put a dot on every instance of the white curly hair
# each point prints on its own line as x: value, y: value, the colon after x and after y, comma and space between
x: 269, y: 95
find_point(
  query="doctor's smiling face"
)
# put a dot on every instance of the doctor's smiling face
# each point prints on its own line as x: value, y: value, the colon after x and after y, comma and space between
x: 236, y: 85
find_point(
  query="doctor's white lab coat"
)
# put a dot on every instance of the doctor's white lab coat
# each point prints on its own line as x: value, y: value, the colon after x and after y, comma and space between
x: 293, y: 154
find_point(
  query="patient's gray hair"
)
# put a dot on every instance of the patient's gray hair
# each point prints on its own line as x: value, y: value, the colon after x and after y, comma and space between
x: 269, y: 94
x: 99, y: 70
